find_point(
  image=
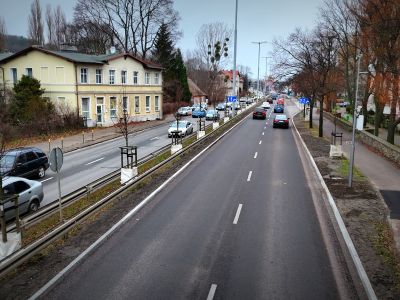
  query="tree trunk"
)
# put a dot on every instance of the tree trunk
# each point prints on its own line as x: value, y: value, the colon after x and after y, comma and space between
x: 392, y: 117
x: 378, y: 118
x: 321, y: 118
x: 311, y: 113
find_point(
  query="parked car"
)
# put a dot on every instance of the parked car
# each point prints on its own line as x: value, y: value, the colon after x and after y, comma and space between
x: 199, y: 113
x: 184, y: 127
x: 24, y: 162
x: 212, y: 115
x: 220, y: 106
x: 281, y: 121
x: 196, y: 106
x: 265, y: 105
x: 259, y: 113
x: 185, y: 111
x: 279, y: 108
x: 30, y: 195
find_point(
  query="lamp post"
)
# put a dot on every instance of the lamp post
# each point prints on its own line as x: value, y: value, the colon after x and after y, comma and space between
x: 234, y: 56
x: 258, y: 67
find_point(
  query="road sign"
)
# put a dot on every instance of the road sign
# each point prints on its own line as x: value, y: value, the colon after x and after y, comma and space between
x: 56, y: 159
x: 304, y: 100
x: 231, y: 98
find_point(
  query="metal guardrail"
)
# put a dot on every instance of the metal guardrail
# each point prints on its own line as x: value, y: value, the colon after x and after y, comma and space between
x: 20, y: 256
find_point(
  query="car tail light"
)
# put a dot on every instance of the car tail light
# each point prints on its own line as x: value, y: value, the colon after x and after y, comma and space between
x: 286, y: 121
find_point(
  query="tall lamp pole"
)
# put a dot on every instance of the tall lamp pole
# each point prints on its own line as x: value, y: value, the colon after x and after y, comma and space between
x: 258, y: 67
x: 234, y: 56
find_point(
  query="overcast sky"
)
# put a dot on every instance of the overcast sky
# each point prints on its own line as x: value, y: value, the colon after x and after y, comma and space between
x: 258, y: 20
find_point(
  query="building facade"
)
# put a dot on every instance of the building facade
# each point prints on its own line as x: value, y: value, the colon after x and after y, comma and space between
x: 101, y: 88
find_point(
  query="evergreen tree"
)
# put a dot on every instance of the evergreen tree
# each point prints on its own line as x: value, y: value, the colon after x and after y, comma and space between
x: 163, y: 52
x: 181, y: 76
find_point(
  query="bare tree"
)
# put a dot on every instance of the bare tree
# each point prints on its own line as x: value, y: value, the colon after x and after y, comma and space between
x: 50, y: 25
x: 3, y: 33
x: 35, y: 31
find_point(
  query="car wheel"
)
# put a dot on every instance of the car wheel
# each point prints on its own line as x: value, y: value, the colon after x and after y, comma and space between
x: 33, y: 206
x: 41, y: 172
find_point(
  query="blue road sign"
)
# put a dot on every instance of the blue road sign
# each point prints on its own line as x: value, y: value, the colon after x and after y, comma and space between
x: 231, y: 98
x: 304, y: 100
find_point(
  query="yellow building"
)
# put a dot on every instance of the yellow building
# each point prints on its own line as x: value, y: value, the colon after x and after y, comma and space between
x: 98, y: 87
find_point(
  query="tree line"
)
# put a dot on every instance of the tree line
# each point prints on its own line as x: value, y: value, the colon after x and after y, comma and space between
x: 322, y: 63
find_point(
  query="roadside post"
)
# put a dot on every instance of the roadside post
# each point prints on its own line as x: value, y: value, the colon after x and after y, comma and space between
x: 176, y: 138
x: 56, y: 162
x: 128, y: 170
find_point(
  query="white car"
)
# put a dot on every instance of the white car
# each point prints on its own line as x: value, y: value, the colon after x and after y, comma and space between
x: 184, y: 127
x: 266, y: 105
x: 185, y: 111
x: 30, y: 195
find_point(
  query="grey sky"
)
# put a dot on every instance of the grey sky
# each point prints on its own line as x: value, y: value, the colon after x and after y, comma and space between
x: 258, y: 20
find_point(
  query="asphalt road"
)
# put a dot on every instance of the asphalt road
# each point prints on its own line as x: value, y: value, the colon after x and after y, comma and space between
x: 83, y: 166
x: 239, y: 223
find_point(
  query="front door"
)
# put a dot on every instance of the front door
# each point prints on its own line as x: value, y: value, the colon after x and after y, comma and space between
x: 99, y: 110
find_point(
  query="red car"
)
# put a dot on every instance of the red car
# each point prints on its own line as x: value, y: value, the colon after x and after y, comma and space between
x: 259, y: 113
x: 280, y: 101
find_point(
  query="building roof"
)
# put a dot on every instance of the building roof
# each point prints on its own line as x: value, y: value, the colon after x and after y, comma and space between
x: 4, y: 55
x: 77, y: 57
x: 194, y: 89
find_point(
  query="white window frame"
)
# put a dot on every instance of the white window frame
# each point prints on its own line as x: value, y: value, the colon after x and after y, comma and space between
x: 27, y: 72
x: 123, y: 76
x: 82, y: 74
x: 15, y: 80
x: 136, y: 78
x: 147, y: 78
x: 148, y: 108
x: 157, y: 78
x: 111, y: 76
x: 99, y: 76
x: 137, y: 101
x: 157, y: 103
x: 88, y: 111
x: 113, y: 111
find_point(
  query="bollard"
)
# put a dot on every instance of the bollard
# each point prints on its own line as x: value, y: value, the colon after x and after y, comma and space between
x: 49, y: 146
x: 62, y: 143
x: 92, y: 135
x: 17, y: 220
x: 3, y: 224
x: 83, y: 137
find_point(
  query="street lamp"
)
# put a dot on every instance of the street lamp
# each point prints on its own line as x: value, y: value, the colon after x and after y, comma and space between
x: 234, y: 56
x: 258, y: 68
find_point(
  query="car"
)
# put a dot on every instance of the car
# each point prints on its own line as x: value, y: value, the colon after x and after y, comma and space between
x: 220, y: 106
x: 212, y: 115
x: 184, y: 111
x: 259, y: 113
x: 24, y: 162
x: 280, y: 101
x: 199, y: 113
x: 249, y: 101
x: 266, y: 105
x: 184, y: 127
x: 279, y: 108
x: 280, y: 121
x: 30, y: 195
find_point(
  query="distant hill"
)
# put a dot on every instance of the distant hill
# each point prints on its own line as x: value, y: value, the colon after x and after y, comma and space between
x: 16, y: 43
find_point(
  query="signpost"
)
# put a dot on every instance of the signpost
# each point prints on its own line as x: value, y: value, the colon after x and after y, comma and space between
x: 56, y: 162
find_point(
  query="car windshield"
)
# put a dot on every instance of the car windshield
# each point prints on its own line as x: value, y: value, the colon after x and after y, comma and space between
x: 180, y: 124
x: 210, y: 112
x: 7, y: 161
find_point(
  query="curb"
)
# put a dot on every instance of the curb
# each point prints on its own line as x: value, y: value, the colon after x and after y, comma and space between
x: 345, y: 234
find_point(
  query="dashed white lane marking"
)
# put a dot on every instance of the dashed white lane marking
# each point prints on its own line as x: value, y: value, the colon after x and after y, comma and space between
x: 237, y: 214
x: 265, y: 127
x: 249, y: 176
x: 260, y: 142
x: 154, y: 138
x: 211, y: 293
x: 263, y: 133
x: 92, y: 162
x: 255, y: 155
x: 47, y: 179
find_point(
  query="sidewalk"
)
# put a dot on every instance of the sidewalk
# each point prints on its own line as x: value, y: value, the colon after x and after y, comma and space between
x: 100, y: 134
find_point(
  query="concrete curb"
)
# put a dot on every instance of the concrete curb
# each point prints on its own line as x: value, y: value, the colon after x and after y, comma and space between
x: 346, y: 237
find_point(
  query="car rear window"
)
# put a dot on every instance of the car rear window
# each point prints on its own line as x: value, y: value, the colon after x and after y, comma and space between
x: 280, y: 117
x: 259, y: 109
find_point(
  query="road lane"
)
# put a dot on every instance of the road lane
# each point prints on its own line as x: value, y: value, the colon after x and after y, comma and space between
x: 184, y: 241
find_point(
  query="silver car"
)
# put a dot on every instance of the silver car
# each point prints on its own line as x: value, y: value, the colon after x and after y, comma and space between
x: 30, y: 195
x: 185, y: 128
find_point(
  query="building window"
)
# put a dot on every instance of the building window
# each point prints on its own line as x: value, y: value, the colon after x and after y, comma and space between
x: 14, y: 75
x: 156, y: 78
x: 135, y: 77
x: 86, y: 108
x: 147, y: 103
x: 137, y: 104
x: 147, y: 78
x: 125, y: 104
x: 28, y: 72
x: 123, y: 77
x: 113, y: 107
x: 112, y: 76
x: 99, y: 76
x: 156, y: 103
x: 84, y: 75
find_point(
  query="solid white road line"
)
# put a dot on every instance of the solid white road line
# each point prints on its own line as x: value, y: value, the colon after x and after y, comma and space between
x: 249, y: 176
x: 255, y: 155
x: 260, y: 142
x: 211, y: 293
x: 47, y: 179
x: 92, y: 162
x: 237, y: 214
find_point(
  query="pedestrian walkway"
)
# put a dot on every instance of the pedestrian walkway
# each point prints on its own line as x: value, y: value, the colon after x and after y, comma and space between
x: 90, y: 136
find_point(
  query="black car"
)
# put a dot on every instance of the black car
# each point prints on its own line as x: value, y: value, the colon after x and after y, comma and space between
x: 281, y: 121
x: 259, y: 113
x: 279, y: 108
x: 24, y: 162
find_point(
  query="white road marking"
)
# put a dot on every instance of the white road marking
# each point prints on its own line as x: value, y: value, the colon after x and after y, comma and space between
x: 92, y: 162
x: 237, y: 214
x: 47, y: 179
x: 211, y: 293
x: 260, y: 142
x: 263, y: 133
x: 265, y: 127
x: 154, y: 138
x: 249, y: 176
x: 255, y: 155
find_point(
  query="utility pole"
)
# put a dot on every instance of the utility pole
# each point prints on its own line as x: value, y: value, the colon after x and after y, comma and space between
x: 234, y: 58
x: 258, y: 67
